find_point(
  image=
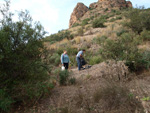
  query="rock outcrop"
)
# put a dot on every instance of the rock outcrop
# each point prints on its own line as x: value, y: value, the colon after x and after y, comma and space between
x: 93, y: 5
x: 78, y: 12
x: 82, y: 12
x: 114, y: 3
x: 129, y: 4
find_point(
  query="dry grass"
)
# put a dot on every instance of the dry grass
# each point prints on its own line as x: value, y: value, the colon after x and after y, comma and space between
x: 116, y: 98
x: 59, y: 44
x: 77, y: 40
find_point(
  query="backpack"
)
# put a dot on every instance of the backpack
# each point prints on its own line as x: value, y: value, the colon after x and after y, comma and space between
x: 83, y: 62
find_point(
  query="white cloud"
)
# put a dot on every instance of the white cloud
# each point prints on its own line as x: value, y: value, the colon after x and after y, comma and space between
x: 40, y: 10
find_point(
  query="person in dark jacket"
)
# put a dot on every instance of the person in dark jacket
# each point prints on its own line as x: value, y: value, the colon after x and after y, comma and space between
x: 78, y: 58
x: 65, y: 60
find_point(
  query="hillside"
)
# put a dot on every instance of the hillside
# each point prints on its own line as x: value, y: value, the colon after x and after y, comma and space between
x: 116, y: 38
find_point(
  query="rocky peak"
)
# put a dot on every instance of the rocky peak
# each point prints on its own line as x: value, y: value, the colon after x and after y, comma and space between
x: 81, y: 11
x: 78, y: 12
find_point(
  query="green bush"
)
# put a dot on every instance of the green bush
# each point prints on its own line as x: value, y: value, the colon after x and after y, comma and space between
x: 75, y: 24
x: 98, y: 23
x: 106, y: 10
x: 63, y: 77
x: 100, y: 40
x: 72, y: 80
x: 55, y: 59
x: 5, y: 101
x: 85, y: 21
x: 126, y: 51
x: 23, y: 59
x: 145, y: 60
x: 95, y: 60
x: 112, y: 20
x: 139, y: 20
x: 145, y: 35
x: 72, y: 51
x: 92, y: 17
x: 120, y: 32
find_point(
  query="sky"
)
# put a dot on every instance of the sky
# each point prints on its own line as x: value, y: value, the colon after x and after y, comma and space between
x: 54, y: 15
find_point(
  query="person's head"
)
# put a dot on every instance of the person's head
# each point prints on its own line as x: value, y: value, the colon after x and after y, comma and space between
x: 83, y: 50
x: 65, y: 52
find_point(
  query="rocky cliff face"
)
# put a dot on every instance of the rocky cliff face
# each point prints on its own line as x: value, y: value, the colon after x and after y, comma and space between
x: 78, y: 12
x: 81, y: 10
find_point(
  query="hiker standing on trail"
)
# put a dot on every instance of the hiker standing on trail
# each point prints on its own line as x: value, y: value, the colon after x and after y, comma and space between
x: 78, y: 58
x: 65, y: 60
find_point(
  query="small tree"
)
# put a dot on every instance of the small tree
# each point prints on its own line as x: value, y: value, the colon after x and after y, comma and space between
x: 22, y: 58
x: 139, y: 19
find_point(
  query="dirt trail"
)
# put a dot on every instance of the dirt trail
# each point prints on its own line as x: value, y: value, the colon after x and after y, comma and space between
x: 63, y: 98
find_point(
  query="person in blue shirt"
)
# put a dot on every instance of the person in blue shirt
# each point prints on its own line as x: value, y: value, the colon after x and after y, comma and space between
x: 65, y: 60
x: 78, y: 58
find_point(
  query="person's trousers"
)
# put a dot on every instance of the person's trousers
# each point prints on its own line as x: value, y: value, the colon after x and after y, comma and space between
x: 66, y: 65
x: 79, y: 63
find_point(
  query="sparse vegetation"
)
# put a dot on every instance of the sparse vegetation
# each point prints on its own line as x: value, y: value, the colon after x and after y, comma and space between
x: 112, y: 95
x: 95, y: 60
x: 58, y: 37
x: 80, y: 31
x: 63, y: 77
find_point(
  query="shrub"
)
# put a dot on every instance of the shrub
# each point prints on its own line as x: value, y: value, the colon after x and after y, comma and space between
x: 145, y: 60
x: 72, y: 80
x: 72, y: 51
x: 98, y: 23
x: 55, y: 59
x: 75, y: 24
x: 59, y: 36
x: 112, y: 20
x: 106, y: 10
x: 63, y: 77
x: 23, y: 59
x: 100, y: 40
x: 80, y: 31
x: 145, y: 35
x: 95, y: 60
x: 85, y: 21
x: 73, y: 61
x: 139, y: 20
x: 5, y: 101
x: 92, y: 17
x: 118, y: 18
x: 127, y: 51
x: 120, y: 32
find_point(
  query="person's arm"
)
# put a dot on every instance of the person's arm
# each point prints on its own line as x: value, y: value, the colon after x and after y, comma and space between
x: 81, y: 55
x: 62, y: 60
